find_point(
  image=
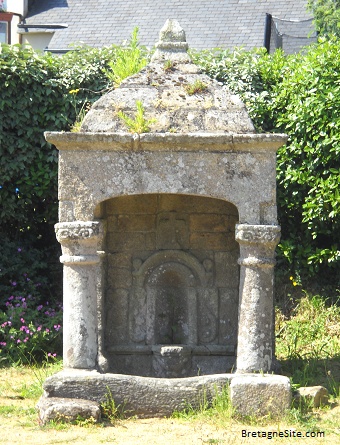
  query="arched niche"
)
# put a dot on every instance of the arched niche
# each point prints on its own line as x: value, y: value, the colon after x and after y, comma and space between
x: 171, y: 278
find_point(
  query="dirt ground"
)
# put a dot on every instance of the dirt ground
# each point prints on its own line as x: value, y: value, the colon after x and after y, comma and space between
x: 19, y: 426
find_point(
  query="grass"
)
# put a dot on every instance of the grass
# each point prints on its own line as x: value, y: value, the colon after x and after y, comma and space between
x: 308, y: 343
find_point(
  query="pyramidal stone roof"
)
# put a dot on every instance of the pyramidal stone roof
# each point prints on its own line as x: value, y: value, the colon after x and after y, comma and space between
x: 175, y: 96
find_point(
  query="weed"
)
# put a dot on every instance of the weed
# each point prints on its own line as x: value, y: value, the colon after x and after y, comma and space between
x: 168, y: 66
x: 109, y: 409
x: 129, y: 60
x: 139, y: 124
x: 197, y: 87
x: 75, y: 128
x: 27, y: 382
x: 217, y: 407
x: 85, y: 423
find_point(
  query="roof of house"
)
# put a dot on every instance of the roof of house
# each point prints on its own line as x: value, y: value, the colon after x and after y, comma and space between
x: 207, y: 23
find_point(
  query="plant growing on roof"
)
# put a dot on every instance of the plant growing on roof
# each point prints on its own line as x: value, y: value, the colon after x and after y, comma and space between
x: 128, y: 60
x: 80, y: 114
x: 139, y: 124
x: 168, y: 66
x: 197, y: 87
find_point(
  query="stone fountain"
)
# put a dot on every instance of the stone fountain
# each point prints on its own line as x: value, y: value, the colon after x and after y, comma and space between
x: 168, y: 245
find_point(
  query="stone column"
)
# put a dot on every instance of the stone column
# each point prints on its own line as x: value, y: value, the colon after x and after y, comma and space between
x: 256, y: 307
x: 80, y: 242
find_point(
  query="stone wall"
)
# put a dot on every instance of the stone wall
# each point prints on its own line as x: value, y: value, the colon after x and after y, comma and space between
x: 172, y: 278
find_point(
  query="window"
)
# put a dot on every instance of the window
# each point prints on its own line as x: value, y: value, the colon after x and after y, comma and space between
x: 5, y: 26
x: 3, y: 32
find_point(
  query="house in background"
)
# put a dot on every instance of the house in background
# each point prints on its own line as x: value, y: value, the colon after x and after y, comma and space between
x: 57, y: 25
x: 12, y: 13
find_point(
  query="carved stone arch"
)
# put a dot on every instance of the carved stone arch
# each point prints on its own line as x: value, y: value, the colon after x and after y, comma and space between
x: 146, y: 268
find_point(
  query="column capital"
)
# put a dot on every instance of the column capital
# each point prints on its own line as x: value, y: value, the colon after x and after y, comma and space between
x: 79, y: 231
x: 249, y: 234
x: 80, y: 241
x: 258, y: 244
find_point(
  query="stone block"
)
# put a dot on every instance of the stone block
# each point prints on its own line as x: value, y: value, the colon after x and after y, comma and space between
x: 205, y: 364
x: 205, y: 222
x: 112, y: 223
x: 197, y: 204
x: 123, y: 242
x: 260, y: 395
x: 121, y: 259
x: 227, y: 268
x: 132, y: 204
x: 66, y: 211
x: 150, y: 241
x: 116, y: 312
x: 172, y: 230
x: 316, y: 395
x: 208, y: 314
x: 67, y: 410
x: 212, y: 241
x: 136, y: 223
x: 228, y: 315
x: 119, y: 278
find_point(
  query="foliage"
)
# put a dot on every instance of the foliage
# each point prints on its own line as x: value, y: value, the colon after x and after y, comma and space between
x: 128, y: 60
x: 298, y: 95
x: 307, y: 106
x: 312, y: 330
x: 326, y: 15
x: 35, y: 97
x: 307, y: 342
x: 80, y: 114
x: 23, y: 270
x: 139, y: 124
x: 29, y: 330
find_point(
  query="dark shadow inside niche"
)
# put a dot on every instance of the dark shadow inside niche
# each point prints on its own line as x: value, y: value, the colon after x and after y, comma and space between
x: 172, y: 278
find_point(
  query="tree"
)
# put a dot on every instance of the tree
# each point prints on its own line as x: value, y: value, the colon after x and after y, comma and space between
x: 326, y: 16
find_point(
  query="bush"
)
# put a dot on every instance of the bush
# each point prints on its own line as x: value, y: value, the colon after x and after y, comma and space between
x: 298, y: 95
x: 35, y: 97
x: 29, y: 331
x: 39, y: 93
x: 326, y: 15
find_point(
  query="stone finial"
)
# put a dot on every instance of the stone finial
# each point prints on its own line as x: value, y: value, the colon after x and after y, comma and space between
x: 172, y: 32
x: 172, y: 44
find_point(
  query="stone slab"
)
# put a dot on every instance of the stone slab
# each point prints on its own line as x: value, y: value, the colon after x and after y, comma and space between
x: 256, y: 395
x: 142, y: 396
x: 67, y: 409
x: 260, y: 395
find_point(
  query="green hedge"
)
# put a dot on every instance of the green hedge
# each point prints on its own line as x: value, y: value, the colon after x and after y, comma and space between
x: 35, y: 97
x: 296, y: 94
